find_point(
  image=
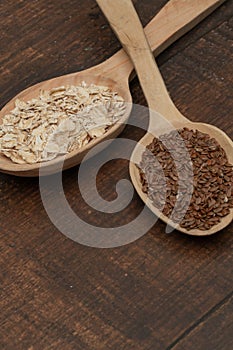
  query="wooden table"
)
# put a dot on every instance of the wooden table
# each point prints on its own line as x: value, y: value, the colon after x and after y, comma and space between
x: 164, y: 291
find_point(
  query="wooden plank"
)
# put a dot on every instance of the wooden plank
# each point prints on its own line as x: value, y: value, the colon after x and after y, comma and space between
x: 56, y: 294
x: 212, y: 333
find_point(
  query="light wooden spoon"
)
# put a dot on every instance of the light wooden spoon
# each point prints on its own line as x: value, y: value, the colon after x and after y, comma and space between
x: 168, y: 25
x: 127, y: 26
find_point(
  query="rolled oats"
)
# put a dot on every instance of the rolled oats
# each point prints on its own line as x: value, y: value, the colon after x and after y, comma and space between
x: 58, y: 121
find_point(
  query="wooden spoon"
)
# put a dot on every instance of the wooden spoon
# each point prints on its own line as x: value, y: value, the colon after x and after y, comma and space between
x: 166, y: 27
x: 126, y: 24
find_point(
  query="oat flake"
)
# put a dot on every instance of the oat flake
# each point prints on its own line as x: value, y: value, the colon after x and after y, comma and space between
x: 58, y: 121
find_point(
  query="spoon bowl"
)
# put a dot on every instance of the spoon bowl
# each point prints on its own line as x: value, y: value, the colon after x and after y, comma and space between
x: 75, y: 157
x: 127, y: 26
x: 169, y: 24
x: 224, y: 141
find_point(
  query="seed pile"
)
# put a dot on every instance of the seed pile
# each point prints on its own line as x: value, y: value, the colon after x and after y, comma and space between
x: 187, y: 176
x: 58, y: 121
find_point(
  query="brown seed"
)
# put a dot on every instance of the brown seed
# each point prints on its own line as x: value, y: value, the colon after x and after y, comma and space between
x: 207, y: 170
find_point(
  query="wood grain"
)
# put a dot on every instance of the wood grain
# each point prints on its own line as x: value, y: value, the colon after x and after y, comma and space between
x: 160, y: 292
x: 172, y: 22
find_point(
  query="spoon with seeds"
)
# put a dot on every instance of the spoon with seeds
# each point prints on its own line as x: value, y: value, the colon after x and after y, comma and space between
x: 126, y: 24
x: 168, y: 25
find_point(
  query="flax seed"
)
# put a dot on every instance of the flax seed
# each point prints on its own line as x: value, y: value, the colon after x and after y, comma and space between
x: 206, y: 177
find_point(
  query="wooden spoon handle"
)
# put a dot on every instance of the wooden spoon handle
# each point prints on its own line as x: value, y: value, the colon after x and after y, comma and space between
x: 124, y: 20
x: 175, y: 19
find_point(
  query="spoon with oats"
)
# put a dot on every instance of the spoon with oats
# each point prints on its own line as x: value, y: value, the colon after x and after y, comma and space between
x: 182, y: 170
x: 51, y: 119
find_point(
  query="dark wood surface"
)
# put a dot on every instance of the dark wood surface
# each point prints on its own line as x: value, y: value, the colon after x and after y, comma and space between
x: 160, y: 292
